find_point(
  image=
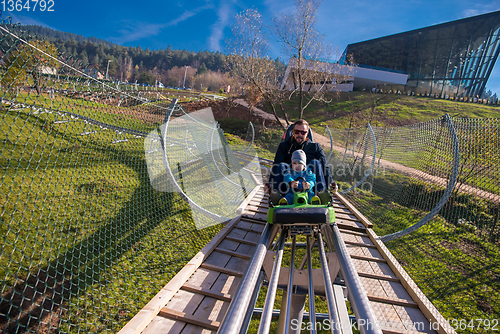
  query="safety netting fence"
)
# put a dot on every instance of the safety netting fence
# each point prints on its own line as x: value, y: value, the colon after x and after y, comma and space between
x: 432, y: 192
x: 89, y: 233
x: 107, y: 191
x: 190, y: 155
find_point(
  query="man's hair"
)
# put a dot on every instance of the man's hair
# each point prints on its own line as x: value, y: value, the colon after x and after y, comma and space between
x: 301, y: 122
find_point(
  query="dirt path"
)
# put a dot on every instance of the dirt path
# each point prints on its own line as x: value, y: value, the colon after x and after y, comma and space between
x: 259, y: 112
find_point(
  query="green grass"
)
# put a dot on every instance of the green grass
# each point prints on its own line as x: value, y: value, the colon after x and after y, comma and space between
x: 238, y: 144
x: 453, y: 258
x: 81, y: 222
x: 99, y: 111
x: 391, y: 110
x: 455, y: 268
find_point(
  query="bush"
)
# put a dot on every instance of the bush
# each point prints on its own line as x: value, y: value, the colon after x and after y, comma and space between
x: 234, y: 126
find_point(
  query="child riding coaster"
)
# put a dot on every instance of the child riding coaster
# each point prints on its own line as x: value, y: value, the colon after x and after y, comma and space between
x: 299, y: 178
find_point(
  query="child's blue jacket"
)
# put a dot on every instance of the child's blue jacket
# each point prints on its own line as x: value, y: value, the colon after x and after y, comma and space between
x: 307, y: 174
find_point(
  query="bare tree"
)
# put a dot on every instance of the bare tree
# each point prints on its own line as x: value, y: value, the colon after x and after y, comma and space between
x: 25, y: 64
x: 248, y: 48
x: 125, y: 68
x: 313, y: 74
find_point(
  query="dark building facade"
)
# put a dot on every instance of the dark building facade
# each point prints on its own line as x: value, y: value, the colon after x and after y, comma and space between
x: 454, y: 58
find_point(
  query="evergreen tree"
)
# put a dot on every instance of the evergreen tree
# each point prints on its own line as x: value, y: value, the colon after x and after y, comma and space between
x: 202, y: 69
x: 96, y: 52
x: 85, y: 58
x: 95, y: 60
x: 146, y: 78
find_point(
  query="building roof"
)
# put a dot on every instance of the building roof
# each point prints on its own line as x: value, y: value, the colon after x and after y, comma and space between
x: 453, y: 57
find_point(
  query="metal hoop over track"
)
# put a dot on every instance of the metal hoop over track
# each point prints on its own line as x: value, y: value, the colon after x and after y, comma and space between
x: 447, y: 193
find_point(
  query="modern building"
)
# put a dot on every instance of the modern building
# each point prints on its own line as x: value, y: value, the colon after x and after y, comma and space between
x: 338, y: 77
x: 449, y: 59
x: 454, y: 58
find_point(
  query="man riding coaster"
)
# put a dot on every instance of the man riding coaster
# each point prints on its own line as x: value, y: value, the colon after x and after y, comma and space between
x: 299, y: 137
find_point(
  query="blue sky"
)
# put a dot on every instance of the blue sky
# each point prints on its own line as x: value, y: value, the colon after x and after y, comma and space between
x: 197, y: 25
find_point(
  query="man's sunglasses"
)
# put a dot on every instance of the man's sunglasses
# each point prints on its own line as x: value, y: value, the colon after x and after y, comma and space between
x: 300, y: 132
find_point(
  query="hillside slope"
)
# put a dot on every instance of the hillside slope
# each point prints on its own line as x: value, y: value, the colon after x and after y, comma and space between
x: 356, y: 109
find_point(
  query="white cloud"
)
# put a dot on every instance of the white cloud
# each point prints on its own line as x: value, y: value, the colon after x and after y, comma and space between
x: 217, y: 32
x: 187, y: 14
x: 138, y: 30
x: 481, y: 8
x: 28, y: 21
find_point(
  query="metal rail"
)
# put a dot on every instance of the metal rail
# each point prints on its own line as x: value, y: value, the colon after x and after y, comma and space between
x: 312, y: 307
x: 290, y: 287
x: 327, y: 129
x: 333, y: 311
x: 267, y: 312
x: 233, y: 320
x: 357, y: 296
x: 250, y: 125
x: 294, y: 297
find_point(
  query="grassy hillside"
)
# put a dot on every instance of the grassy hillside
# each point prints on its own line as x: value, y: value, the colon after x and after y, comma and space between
x: 79, y: 215
x: 357, y: 109
x: 353, y: 109
x: 80, y: 209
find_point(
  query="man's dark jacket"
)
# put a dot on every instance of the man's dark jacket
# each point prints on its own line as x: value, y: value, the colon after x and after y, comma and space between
x: 312, y: 150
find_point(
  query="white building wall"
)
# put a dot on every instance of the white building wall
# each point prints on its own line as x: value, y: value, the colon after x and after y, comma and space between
x: 351, y: 73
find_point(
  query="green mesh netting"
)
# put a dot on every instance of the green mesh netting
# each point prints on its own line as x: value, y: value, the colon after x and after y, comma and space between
x: 401, y: 176
x: 191, y: 156
x: 87, y: 236
x: 101, y: 203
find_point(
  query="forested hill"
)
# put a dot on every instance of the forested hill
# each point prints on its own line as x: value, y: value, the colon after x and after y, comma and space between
x: 52, y: 34
x: 131, y: 63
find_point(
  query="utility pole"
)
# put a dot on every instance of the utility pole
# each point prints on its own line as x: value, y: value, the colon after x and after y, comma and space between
x: 107, y: 68
x: 184, y: 84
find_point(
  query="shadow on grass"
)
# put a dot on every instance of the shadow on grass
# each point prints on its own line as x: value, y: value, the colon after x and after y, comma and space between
x: 40, y: 301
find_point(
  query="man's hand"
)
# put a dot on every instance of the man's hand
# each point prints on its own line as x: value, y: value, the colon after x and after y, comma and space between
x: 294, y: 184
x: 306, y: 185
